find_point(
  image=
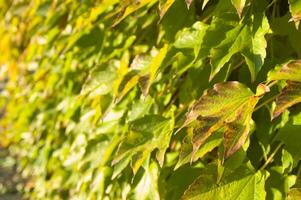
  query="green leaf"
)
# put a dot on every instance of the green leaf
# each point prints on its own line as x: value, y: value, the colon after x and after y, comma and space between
x: 147, y: 188
x: 145, y: 135
x: 140, y: 108
x: 255, y: 52
x: 187, y: 148
x: 131, y: 6
x: 128, y: 83
x: 245, y: 38
x: 289, y: 134
x: 99, y: 83
x: 228, y: 105
x: 295, y: 8
x: 191, y: 38
x: 239, y: 6
x: 242, y: 185
x: 152, y: 69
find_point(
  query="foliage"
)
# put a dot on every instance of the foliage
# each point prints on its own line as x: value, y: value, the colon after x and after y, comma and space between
x: 153, y: 99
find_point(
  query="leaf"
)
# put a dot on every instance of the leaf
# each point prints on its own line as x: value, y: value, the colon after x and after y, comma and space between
x: 255, y: 52
x: 129, y: 82
x: 204, y: 4
x: 242, y: 184
x: 188, y: 3
x: 291, y: 93
x: 152, y: 69
x: 129, y: 7
x: 165, y: 7
x: 187, y: 148
x: 236, y: 131
x: 145, y: 135
x: 239, y: 6
x: 245, y: 38
x: 140, y: 108
x: 294, y: 194
x: 99, y: 82
x: 191, y: 38
x: 147, y: 188
x: 228, y: 105
x: 295, y: 9
x: 290, y: 71
x: 289, y: 134
x: 289, y: 96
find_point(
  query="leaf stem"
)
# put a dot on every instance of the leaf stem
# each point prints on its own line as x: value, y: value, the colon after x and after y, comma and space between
x: 274, y: 1
x: 271, y: 156
x: 271, y: 84
x: 265, y: 102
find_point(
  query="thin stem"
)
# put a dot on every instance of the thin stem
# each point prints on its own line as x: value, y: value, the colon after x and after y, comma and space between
x: 271, y: 157
x: 265, y: 103
x: 274, y: 1
x: 271, y: 84
x: 238, y: 64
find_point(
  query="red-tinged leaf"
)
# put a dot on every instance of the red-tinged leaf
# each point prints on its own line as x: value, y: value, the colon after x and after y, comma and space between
x: 289, y: 96
x: 294, y: 194
x: 291, y: 93
x: 289, y: 71
x: 228, y: 105
x: 165, y: 7
x: 188, y: 3
x: 236, y: 131
x: 262, y: 89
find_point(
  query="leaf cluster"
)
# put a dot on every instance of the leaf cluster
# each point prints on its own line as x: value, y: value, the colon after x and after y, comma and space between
x: 153, y: 99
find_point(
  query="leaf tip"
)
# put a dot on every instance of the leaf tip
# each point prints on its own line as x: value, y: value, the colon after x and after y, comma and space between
x: 261, y: 90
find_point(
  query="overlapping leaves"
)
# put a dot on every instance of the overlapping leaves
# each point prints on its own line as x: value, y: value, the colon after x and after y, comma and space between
x: 92, y: 90
x: 291, y: 93
x: 227, y: 106
x: 242, y: 184
x: 227, y: 36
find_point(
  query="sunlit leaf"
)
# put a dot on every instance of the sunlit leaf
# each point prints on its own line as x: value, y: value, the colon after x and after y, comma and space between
x: 187, y: 148
x: 289, y: 96
x: 289, y: 71
x: 291, y: 93
x: 242, y: 184
x: 249, y: 40
x: 166, y: 5
x: 152, y: 69
x: 295, y: 8
x: 191, y: 38
x: 294, y: 194
x: 289, y: 134
x: 147, y: 188
x: 145, y: 135
x: 205, y: 3
x: 228, y: 105
x: 239, y: 6
x: 131, y: 6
